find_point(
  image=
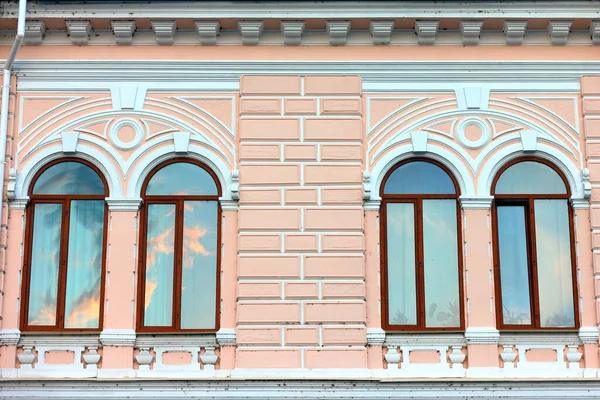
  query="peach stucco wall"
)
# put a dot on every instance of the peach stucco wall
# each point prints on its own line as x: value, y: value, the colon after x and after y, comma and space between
x: 300, y: 264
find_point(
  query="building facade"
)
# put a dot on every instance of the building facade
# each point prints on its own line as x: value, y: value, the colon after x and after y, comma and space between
x: 300, y: 200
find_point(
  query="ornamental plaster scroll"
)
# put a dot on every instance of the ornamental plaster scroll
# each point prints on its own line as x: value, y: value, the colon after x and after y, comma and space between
x: 183, y: 130
x: 485, y: 175
x: 401, y: 152
x: 54, y: 151
x: 566, y: 165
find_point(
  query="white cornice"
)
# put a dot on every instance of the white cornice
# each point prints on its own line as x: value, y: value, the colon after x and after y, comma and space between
x: 377, y: 76
x: 322, y: 388
x: 308, y: 9
x: 118, y: 337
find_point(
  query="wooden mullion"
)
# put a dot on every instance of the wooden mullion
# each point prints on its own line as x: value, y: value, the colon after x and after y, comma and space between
x: 533, y: 270
x: 177, y: 259
x: 419, y: 264
x: 63, y: 264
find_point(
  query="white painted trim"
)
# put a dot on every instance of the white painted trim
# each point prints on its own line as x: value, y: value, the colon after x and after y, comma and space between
x: 48, y: 153
x: 476, y: 203
x: 118, y: 337
x: 276, y: 387
x: 377, y: 76
x: 152, y: 158
x: 375, y: 336
x: 476, y: 335
x: 227, y: 337
x: 305, y: 10
x: 588, y: 334
x: 510, y: 152
x: 116, y: 204
x: 9, y: 337
x: 126, y: 122
x: 399, y: 153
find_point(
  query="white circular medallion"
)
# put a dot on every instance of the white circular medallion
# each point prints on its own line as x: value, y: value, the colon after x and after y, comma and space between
x: 473, y: 124
x: 126, y: 133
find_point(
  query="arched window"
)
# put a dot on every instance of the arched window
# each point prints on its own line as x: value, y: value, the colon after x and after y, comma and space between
x: 422, y: 278
x: 533, y: 248
x: 179, y: 255
x: 65, y: 249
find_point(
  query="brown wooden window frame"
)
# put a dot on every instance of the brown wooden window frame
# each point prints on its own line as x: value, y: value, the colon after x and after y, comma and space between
x: 178, y: 201
x: 417, y: 200
x: 65, y: 201
x: 527, y: 200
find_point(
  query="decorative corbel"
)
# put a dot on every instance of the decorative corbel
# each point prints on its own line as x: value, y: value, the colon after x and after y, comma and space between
x: 419, y: 141
x: 426, y: 31
x: 587, y: 186
x: 471, y: 31
x: 164, y: 31
x: 123, y: 31
x: 34, y: 32
x: 338, y: 32
x: 235, y: 185
x: 292, y: 32
x: 381, y: 31
x: 515, y: 32
x: 208, y: 32
x: 79, y: 31
x: 559, y: 32
x: 250, y: 31
x: 11, y: 184
x: 69, y: 142
x: 366, y: 182
x: 595, y: 32
x: 209, y: 358
x: 181, y: 140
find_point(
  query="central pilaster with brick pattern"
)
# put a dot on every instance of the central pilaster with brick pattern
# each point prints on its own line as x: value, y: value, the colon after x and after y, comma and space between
x: 301, y: 293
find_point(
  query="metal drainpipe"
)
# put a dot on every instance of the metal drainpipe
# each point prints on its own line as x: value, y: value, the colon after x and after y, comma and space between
x: 4, y: 110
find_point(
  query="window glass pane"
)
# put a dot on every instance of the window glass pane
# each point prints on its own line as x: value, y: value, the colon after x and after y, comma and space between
x: 69, y: 177
x: 199, y: 273
x: 402, y: 297
x: 84, y: 264
x: 440, y: 248
x: 514, y: 273
x: 419, y: 177
x: 553, y: 245
x: 181, y: 179
x: 45, y: 256
x: 158, y: 301
x: 530, y: 177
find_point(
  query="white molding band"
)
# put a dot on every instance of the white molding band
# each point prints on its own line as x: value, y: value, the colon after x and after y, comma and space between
x: 9, y: 337
x: 377, y: 76
x: 482, y: 335
x: 588, y: 334
x: 123, y: 204
x: 373, y: 388
x: 118, y: 337
x: 375, y: 336
x: 303, y: 10
x: 476, y: 203
x: 226, y: 337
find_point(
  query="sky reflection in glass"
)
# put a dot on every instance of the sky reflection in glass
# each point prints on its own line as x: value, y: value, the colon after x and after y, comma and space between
x: 199, y: 274
x: 45, y: 255
x: 555, y: 280
x: 514, y: 272
x: 440, y: 248
x: 530, y: 177
x: 69, y: 177
x: 84, y: 265
x: 419, y: 177
x: 160, y: 250
x: 402, y: 297
x: 181, y: 178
